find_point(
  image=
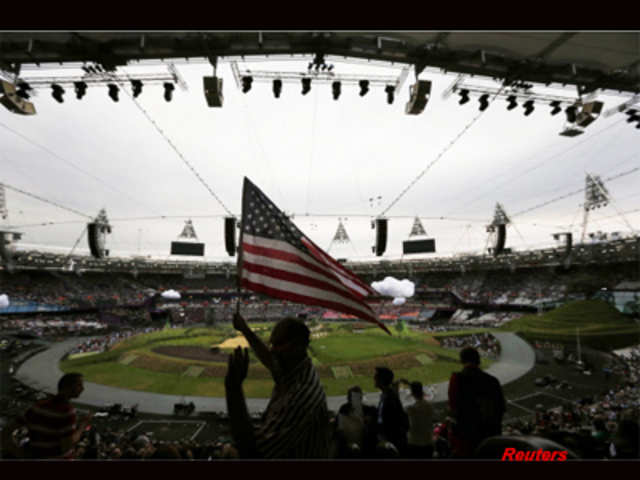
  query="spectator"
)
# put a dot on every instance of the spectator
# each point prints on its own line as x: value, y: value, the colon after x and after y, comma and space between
x: 354, y: 424
x: 52, y: 423
x: 477, y: 405
x: 392, y: 422
x: 420, y: 438
x: 296, y: 421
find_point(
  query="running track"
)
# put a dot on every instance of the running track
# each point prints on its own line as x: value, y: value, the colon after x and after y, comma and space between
x: 42, y: 373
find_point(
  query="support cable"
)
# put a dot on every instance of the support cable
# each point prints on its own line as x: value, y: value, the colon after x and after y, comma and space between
x: 439, y: 156
x: 538, y: 165
x: 76, y: 244
x: 175, y: 149
x: 71, y: 164
x: 50, y: 202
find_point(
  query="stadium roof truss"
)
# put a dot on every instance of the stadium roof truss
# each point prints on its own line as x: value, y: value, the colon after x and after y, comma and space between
x: 588, y: 60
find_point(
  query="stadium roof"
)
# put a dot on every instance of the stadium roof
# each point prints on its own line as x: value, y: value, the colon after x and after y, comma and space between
x: 591, y: 60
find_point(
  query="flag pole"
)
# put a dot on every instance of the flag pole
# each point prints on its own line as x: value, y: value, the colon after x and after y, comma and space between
x: 239, y: 253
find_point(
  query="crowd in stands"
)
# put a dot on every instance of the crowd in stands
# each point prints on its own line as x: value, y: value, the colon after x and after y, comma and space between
x: 102, y: 344
x: 49, y: 326
x: 490, y: 319
x: 486, y: 344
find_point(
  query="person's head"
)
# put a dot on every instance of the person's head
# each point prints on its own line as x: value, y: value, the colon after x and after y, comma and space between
x: 71, y: 385
x: 354, y: 394
x: 470, y: 356
x: 416, y: 390
x: 289, y: 340
x: 383, y: 377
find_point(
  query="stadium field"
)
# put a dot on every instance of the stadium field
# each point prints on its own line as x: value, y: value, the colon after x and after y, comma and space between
x: 193, y: 361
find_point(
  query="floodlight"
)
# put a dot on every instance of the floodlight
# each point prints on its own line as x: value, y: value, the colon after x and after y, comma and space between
x: 484, y: 102
x: 390, y: 91
x: 168, y: 91
x: 277, y: 87
x: 113, y: 91
x: 633, y: 115
x: 22, y: 90
x: 57, y: 92
x: 364, y: 87
x: 464, y: 96
x: 246, y: 84
x: 136, y: 86
x: 528, y: 107
x: 80, y: 89
x: 335, y: 87
x: 306, y: 85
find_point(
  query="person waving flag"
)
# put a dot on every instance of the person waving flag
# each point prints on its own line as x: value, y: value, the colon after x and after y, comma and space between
x: 277, y: 259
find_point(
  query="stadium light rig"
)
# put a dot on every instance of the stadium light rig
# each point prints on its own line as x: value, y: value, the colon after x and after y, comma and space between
x: 88, y: 76
x: 322, y: 76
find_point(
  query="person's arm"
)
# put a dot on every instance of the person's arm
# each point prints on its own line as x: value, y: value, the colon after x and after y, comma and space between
x: 239, y: 420
x: 68, y: 442
x: 257, y: 345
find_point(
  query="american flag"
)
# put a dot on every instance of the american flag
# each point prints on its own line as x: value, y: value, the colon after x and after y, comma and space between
x: 277, y: 259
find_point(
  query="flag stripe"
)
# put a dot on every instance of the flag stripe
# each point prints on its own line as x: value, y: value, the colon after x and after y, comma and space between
x: 282, y: 256
x: 296, y: 278
x: 336, y: 265
x: 287, y: 286
x: 287, y: 252
x: 296, y: 268
x: 288, y: 295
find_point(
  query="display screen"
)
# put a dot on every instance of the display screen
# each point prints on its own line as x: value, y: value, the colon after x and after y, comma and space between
x: 419, y: 246
x: 187, y: 248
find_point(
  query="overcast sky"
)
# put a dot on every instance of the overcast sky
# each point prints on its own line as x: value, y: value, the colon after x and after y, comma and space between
x: 310, y: 155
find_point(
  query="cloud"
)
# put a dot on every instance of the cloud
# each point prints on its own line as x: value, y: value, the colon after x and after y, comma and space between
x: 399, y: 300
x: 392, y: 287
x: 172, y: 294
x: 4, y: 301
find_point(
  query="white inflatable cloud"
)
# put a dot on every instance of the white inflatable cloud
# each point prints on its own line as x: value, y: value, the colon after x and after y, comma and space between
x: 4, y: 301
x: 392, y: 287
x: 399, y: 300
x: 171, y: 294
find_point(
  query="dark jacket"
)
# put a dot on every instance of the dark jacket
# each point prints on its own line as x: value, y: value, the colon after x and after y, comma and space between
x: 477, y: 404
x: 395, y: 422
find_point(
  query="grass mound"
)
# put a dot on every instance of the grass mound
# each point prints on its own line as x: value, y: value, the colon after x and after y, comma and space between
x: 601, y: 326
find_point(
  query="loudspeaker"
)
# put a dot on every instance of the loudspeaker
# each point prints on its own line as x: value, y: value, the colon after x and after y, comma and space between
x: 501, y: 239
x: 213, y: 91
x: 589, y: 113
x: 569, y: 243
x: 92, y: 237
x: 380, y: 226
x: 5, y: 251
x: 96, y: 233
x: 230, y: 235
x: 13, y: 102
x: 418, y: 97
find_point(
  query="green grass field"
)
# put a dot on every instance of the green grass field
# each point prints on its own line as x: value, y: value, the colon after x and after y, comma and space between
x: 362, y: 352
x: 601, y: 326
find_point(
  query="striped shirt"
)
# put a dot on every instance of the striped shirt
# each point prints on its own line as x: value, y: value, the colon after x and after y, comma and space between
x: 50, y: 422
x: 296, y: 422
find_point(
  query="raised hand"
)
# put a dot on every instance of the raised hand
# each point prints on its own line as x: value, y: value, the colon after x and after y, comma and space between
x: 238, y: 367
